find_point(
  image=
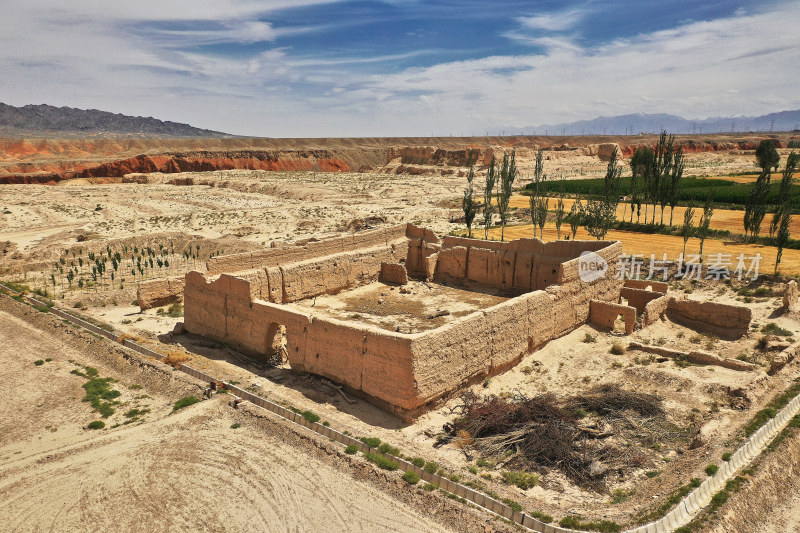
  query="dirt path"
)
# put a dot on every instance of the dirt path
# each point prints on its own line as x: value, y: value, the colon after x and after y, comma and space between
x: 184, y: 471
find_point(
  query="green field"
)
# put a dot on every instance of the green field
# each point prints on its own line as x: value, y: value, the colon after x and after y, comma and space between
x: 691, y: 189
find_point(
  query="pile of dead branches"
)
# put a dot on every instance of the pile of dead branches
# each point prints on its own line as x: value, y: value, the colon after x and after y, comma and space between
x: 583, y: 436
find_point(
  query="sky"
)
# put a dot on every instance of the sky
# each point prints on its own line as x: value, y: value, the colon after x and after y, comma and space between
x: 327, y: 68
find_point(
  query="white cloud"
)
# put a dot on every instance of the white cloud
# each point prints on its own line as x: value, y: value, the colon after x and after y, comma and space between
x: 561, y: 21
x: 84, y: 55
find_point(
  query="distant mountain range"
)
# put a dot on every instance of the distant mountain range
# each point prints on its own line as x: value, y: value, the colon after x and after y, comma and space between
x: 48, y: 119
x: 655, y: 123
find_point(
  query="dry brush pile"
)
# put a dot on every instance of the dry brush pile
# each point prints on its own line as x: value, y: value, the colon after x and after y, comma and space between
x: 587, y: 436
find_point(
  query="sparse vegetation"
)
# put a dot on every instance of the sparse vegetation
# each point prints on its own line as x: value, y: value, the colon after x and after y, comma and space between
x: 185, y: 402
x: 412, y: 478
x: 351, y: 449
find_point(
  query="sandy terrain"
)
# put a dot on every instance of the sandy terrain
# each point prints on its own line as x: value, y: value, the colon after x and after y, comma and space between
x: 168, y: 472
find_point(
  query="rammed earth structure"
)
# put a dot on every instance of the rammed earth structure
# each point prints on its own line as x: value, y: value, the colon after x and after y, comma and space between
x: 245, y: 300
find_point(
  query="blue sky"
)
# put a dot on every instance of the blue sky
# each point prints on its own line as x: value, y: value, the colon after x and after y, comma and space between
x: 317, y: 68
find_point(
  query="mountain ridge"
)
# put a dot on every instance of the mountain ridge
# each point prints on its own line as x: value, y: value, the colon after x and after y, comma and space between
x: 33, y: 118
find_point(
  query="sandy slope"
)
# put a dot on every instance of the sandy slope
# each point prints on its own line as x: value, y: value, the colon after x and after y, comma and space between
x: 171, y: 472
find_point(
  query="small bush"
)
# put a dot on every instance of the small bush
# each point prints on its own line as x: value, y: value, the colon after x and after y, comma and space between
x: 695, y: 482
x: 727, y: 456
x: 543, y: 517
x: 185, y: 402
x: 372, y: 442
x: 175, y: 358
x: 430, y: 487
x: 133, y: 413
x: 483, y: 463
x: 720, y: 498
x: 236, y: 425
x: 431, y: 467
x: 473, y: 469
x: 388, y: 449
x: 523, y: 480
x: 38, y: 362
x: 619, y: 496
x: 97, y: 424
x: 617, y: 348
x: 514, y: 505
x: 381, y: 461
x: 652, y: 473
x: 310, y: 417
x: 712, y: 469
x: 412, y: 478
x: 588, y: 337
x: 351, y: 449
x: 774, y: 329
x: 419, y: 462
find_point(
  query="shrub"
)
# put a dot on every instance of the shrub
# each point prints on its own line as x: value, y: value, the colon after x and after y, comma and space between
x: 388, y: 449
x: 473, y: 469
x: 430, y: 487
x: 236, y: 425
x: 133, y: 413
x: 543, y: 517
x: 482, y: 463
x: 381, y: 461
x: 588, y: 337
x: 412, y: 478
x: 523, y: 480
x: 175, y: 358
x: 619, y: 496
x: 695, y: 482
x: 514, y: 505
x: 652, y: 473
x: 186, y: 401
x: 774, y: 329
x: 310, y: 417
x: 727, y: 456
x: 351, y: 449
x: 712, y: 469
x: 97, y: 424
x: 720, y: 498
x: 617, y: 348
x: 419, y: 462
x: 372, y: 442
x: 431, y: 467
x: 38, y: 362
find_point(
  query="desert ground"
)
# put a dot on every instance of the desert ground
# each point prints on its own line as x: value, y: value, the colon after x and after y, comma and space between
x: 209, y: 475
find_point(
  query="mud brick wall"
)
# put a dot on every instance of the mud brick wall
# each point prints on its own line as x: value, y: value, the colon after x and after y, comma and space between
x: 639, y: 298
x: 294, y: 253
x: 654, y: 310
x: 158, y: 292
x: 723, y: 319
x: 658, y: 286
x: 604, y: 314
x: 516, y: 266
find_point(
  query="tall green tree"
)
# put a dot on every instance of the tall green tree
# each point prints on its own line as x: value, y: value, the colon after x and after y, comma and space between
x: 468, y: 202
x: 541, y: 214
x: 559, y: 214
x: 488, y: 190
x: 687, y: 229
x: 574, y: 218
x: 784, y: 206
x: 705, y: 221
x: 642, y: 174
x: 676, y: 173
x: 508, y: 173
x: 661, y: 169
x: 536, y: 190
x: 756, y: 205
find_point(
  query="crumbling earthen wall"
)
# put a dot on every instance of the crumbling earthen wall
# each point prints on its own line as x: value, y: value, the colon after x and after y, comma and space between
x: 305, y: 250
x: 604, y: 314
x: 646, y: 284
x: 639, y: 298
x: 721, y: 319
x: 517, y: 266
x: 402, y: 372
x: 654, y: 310
x: 158, y: 292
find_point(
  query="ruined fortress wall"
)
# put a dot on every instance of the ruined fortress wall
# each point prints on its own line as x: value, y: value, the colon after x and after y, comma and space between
x: 304, y: 251
x: 364, y: 358
x: 658, y: 286
x: 719, y: 318
x: 604, y: 314
x: 492, y: 340
x: 639, y: 298
x: 516, y: 266
x: 158, y: 292
x: 654, y: 310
